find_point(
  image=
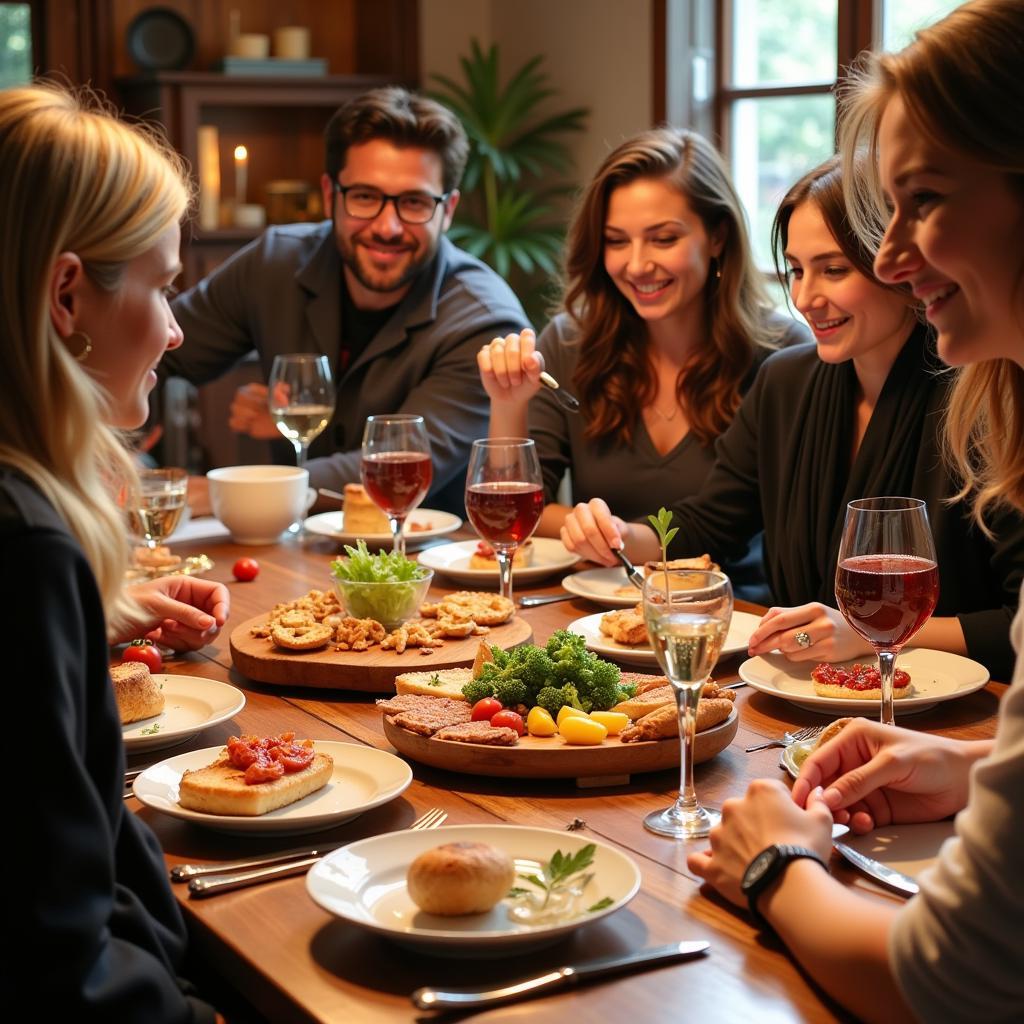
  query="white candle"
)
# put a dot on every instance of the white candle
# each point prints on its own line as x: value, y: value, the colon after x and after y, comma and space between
x: 241, y: 170
x: 209, y: 178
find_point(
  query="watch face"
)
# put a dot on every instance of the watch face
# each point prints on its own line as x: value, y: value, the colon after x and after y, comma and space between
x: 758, y: 866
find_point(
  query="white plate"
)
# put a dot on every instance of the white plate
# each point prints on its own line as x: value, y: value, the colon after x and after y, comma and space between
x: 332, y: 524
x: 790, y: 759
x: 363, y: 778
x: 737, y: 639
x: 936, y: 676
x: 364, y: 883
x: 599, y: 586
x: 907, y: 848
x: 549, y: 556
x: 191, y: 704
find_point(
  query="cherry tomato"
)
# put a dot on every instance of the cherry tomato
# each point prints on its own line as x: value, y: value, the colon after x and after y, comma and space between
x: 246, y: 569
x: 144, y: 651
x: 484, y: 710
x: 509, y: 720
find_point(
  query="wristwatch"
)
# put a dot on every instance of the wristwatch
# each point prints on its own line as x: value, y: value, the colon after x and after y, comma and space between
x: 766, y: 867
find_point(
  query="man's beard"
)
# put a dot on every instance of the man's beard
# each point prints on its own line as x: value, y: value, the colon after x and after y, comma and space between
x: 373, y: 279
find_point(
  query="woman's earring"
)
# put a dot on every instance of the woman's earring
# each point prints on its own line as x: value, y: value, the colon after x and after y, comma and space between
x: 718, y: 268
x: 86, y: 346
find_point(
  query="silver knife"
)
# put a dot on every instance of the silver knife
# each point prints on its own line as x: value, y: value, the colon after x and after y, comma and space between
x: 559, y: 977
x: 878, y: 871
x: 185, y: 872
x: 213, y: 884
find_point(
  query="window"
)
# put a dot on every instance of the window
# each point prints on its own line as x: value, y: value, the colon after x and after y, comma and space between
x: 15, y: 44
x: 901, y: 20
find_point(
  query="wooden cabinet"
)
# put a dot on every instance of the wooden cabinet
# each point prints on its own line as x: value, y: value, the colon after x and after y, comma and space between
x: 279, y: 120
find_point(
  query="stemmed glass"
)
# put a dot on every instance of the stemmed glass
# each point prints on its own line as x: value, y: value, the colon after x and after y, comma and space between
x: 396, y: 468
x: 160, y: 504
x: 687, y: 614
x: 301, y: 399
x: 887, y: 581
x: 504, y: 497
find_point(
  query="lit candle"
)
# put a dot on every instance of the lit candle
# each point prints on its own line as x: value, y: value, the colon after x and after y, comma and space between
x: 241, y: 170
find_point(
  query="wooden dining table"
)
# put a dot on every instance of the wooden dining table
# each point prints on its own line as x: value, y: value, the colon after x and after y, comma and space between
x: 290, y: 960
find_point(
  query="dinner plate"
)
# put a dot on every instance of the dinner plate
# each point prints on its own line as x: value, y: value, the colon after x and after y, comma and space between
x: 549, y: 556
x: 736, y: 641
x: 364, y: 883
x: 422, y: 524
x: 937, y: 676
x: 363, y: 778
x: 191, y: 704
x: 600, y: 586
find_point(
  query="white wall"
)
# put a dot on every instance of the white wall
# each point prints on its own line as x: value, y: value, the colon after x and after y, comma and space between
x: 597, y: 52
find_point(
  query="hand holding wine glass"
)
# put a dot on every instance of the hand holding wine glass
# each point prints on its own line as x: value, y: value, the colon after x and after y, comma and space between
x: 396, y: 468
x: 687, y: 613
x: 887, y: 581
x: 301, y: 399
x: 504, y: 497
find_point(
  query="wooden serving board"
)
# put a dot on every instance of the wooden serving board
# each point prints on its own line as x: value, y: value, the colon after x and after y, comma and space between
x: 372, y: 671
x: 550, y: 757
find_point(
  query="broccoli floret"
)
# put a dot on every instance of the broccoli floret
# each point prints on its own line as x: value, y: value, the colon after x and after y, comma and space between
x: 477, y: 689
x: 564, y: 645
x: 604, y: 691
x: 536, y: 670
x: 554, y: 698
x: 510, y: 690
x: 501, y: 658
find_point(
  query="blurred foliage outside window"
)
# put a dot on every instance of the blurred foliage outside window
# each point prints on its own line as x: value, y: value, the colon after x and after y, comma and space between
x: 15, y: 45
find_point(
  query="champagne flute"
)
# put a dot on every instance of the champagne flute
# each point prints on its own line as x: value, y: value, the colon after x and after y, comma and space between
x: 687, y: 614
x: 301, y: 399
x: 396, y: 468
x: 504, y: 497
x: 887, y: 580
x: 159, y: 506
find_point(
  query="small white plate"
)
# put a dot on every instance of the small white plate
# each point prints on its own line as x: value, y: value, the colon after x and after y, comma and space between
x: 600, y: 586
x: 793, y: 756
x: 907, y: 848
x: 430, y: 523
x: 191, y: 704
x: 738, y: 638
x: 549, y: 556
x: 364, y: 883
x: 363, y: 778
x: 937, y: 676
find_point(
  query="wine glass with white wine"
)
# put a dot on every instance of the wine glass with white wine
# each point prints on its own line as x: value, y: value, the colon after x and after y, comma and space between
x: 301, y: 399
x: 687, y: 614
x: 159, y: 505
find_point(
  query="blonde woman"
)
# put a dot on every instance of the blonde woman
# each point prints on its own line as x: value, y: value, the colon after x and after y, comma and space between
x: 943, y: 119
x: 89, y: 238
x: 663, y: 327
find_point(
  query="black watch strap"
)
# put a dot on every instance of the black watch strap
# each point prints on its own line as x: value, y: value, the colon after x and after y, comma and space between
x: 769, y: 865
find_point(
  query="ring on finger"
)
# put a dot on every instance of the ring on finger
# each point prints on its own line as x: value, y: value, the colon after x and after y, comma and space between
x: 803, y: 639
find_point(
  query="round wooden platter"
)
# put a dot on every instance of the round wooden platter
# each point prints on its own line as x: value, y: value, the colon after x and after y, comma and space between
x: 372, y: 671
x: 551, y: 757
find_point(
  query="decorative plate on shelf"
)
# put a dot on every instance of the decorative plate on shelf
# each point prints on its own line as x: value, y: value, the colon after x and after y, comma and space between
x: 160, y: 39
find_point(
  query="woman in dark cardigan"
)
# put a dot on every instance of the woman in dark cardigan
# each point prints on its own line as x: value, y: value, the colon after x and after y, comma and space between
x: 859, y: 415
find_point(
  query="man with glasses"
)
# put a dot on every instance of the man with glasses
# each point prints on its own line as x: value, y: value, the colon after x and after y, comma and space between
x: 398, y: 309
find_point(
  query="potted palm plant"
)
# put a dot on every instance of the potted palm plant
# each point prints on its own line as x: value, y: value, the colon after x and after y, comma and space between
x: 510, y: 215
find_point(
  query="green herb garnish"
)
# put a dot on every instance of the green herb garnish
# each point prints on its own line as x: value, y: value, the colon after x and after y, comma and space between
x: 434, y: 680
x: 600, y: 905
x: 360, y: 577
x: 661, y: 523
x: 559, y: 874
x: 151, y: 731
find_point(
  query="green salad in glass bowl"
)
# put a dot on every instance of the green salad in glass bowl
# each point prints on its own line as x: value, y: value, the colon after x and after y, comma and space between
x: 386, y: 586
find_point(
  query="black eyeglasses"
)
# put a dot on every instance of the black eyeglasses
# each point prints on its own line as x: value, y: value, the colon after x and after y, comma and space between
x: 365, y: 203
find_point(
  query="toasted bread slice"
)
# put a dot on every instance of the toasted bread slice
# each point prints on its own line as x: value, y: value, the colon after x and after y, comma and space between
x: 137, y: 693
x: 484, y: 655
x: 646, y: 702
x: 446, y: 682
x: 220, y: 788
x: 484, y: 557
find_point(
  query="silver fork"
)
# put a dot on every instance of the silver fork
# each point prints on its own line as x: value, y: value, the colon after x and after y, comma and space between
x: 225, y: 877
x: 810, y: 732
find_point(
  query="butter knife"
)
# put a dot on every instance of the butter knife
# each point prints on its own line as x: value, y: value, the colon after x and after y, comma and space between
x: 186, y: 872
x: 878, y: 871
x: 210, y: 885
x: 559, y: 977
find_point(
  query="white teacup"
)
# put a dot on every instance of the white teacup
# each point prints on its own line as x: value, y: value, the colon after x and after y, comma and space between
x: 258, y: 503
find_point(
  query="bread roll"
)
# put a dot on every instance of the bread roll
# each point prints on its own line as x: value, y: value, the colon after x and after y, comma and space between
x: 137, y: 693
x: 460, y: 878
x: 360, y: 514
x: 832, y: 730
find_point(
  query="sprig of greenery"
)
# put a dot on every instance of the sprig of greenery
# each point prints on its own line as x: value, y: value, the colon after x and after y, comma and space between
x: 561, y: 873
x: 661, y: 523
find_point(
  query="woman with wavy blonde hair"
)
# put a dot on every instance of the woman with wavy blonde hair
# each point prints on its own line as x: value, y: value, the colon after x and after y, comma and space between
x: 941, y: 124
x: 664, y: 324
x: 89, y: 235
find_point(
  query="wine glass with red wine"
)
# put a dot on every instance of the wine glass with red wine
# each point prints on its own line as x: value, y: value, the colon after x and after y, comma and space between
x: 887, y: 581
x: 504, y: 497
x: 396, y: 468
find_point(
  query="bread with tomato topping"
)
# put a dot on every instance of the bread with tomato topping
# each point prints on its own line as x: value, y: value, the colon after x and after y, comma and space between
x: 137, y: 693
x: 858, y: 682
x: 484, y: 558
x: 220, y: 788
